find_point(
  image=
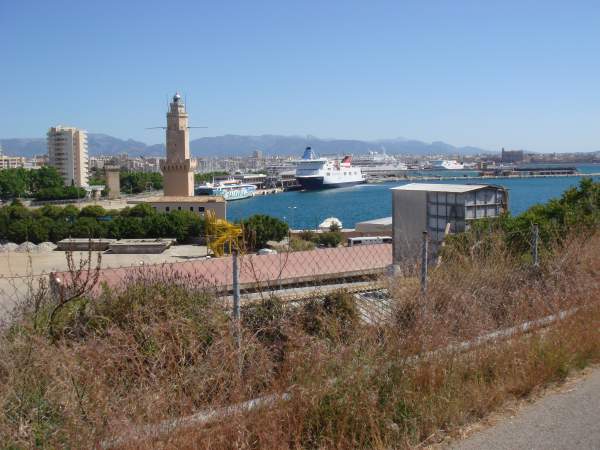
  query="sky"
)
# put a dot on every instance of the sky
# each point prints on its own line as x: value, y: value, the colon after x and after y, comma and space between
x: 515, y: 74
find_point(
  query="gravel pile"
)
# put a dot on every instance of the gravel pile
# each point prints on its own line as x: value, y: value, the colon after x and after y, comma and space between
x: 9, y: 247
x: 27, y: 247
x: 46, y: 247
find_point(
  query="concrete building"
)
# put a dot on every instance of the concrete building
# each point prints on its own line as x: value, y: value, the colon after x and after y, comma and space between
x: 178, y: 168
x: 198, y: 204
x: 113, y: 181
x: 419, y: 207
x: 511, y: 156
x: 12, y: 162
x: 67, y: 151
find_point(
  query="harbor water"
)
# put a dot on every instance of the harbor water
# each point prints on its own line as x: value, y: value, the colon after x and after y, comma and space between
x: 306, y: 209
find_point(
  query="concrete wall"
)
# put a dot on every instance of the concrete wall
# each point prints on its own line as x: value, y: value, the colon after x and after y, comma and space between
x: 409, y: 220
x: 113, y: 182
x: 219, y: 208
x: 177, y: 182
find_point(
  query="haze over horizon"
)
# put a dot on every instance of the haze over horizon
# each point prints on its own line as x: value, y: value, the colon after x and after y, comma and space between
x: 515, y: 75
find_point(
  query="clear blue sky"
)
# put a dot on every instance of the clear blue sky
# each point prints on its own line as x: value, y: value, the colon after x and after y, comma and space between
x: 518, y: 74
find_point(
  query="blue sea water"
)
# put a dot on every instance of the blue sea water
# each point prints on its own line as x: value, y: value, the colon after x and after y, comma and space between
x: 306, y: 209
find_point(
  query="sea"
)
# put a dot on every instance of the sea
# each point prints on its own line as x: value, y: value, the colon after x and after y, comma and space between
x: 307, y: 209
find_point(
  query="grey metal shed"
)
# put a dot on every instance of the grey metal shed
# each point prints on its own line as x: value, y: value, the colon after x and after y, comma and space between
x: 418, y: 207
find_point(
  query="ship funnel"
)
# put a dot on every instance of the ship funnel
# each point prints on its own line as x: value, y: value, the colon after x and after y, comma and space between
x: 309, y: 154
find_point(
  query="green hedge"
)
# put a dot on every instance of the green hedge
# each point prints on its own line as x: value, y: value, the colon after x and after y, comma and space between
x: 578, y: 209
x: 53, y: 223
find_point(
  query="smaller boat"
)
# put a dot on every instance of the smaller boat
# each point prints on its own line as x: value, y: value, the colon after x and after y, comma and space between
x: 228, y: 189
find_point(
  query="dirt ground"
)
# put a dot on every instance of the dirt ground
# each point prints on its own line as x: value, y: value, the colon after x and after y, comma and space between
x: 21, y: 272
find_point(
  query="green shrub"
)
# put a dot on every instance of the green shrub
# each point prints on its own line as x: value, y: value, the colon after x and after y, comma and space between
x: 298, y: 245
x: 330, y: 239
x: 259, y: 229
x: 309, y: 235
x: 92, y: 211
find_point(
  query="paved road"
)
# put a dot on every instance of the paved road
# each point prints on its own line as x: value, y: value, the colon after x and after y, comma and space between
x: 569, y: 419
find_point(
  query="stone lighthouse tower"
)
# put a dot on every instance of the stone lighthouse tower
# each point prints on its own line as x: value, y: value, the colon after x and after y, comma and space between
x: 178, y: 168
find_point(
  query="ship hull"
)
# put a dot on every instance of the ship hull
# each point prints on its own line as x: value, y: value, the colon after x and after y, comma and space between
x: 316, y: 183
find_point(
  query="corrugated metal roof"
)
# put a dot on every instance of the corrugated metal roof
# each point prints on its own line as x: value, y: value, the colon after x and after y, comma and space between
x: 382, y: 221
x: 431, y: 187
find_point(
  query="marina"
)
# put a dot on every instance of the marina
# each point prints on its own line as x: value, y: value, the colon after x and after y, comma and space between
x: 307, y: 209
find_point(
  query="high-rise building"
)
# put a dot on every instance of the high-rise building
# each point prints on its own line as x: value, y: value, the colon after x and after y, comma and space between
x: 67, y: 151
x: 178, y: 168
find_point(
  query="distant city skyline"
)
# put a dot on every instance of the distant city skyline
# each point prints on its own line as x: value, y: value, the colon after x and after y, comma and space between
x: 514, y: 74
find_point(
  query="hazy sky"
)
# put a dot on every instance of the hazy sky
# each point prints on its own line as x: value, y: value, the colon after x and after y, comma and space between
x: 518, y: 74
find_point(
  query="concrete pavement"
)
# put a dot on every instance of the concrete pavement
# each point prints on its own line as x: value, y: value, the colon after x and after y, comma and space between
x: 568, y: 419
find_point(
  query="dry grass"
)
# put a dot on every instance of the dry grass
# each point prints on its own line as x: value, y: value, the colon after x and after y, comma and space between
x: 159, y: 351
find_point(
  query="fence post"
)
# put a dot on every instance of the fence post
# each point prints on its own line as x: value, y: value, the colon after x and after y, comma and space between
x: 424, y: 251
x: 534, y: 245
x: 236, y: 297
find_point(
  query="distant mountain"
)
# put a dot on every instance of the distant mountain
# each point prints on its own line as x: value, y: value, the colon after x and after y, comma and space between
x: 294, y: 145
x: 98, y: 143
x: 234, y: 145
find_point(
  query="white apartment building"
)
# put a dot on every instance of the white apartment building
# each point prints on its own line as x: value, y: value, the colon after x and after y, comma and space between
x: 67, y: 151
x: 12, y: 162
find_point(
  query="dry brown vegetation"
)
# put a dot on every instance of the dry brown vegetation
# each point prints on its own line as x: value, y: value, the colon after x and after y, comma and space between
x: 160, y: 350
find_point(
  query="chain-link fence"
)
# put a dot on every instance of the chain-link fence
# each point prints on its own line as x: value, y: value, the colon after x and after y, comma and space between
x: 290, y: 275
x: 240, y: 278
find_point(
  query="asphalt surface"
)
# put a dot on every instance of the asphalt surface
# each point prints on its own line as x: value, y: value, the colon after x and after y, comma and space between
x: 569, y: 419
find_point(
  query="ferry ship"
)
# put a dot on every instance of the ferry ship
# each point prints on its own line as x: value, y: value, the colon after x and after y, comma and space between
x: 313, y: 172
x: 445, y: 164
x: 229, y: 190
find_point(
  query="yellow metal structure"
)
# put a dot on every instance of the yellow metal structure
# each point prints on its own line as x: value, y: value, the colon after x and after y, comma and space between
x: 221, y: 236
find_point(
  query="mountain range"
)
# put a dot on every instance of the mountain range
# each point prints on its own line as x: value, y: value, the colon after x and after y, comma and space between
x: 236, y: 145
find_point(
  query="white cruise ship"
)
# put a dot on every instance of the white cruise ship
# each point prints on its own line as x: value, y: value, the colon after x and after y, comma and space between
x: 446, y: 164
x: 374, y: 162
x: 323, y: 173
x: 229, y: 190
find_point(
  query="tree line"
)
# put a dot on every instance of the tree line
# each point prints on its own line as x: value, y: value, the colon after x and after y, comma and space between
x: 54, y: 223
x: 44, y: 183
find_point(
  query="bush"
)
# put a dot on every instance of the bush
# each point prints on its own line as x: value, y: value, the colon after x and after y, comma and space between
x: 578, y: 209
x: 265, y: 320
x: 88, y: 227
x: 259, y: 229
x: 309, y: 235
x: 335, y: 317
x: 330, y: 239
x: 94, y: 211
x: 136, y: 182
x: 142, y: 210
x: 298, y: 245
